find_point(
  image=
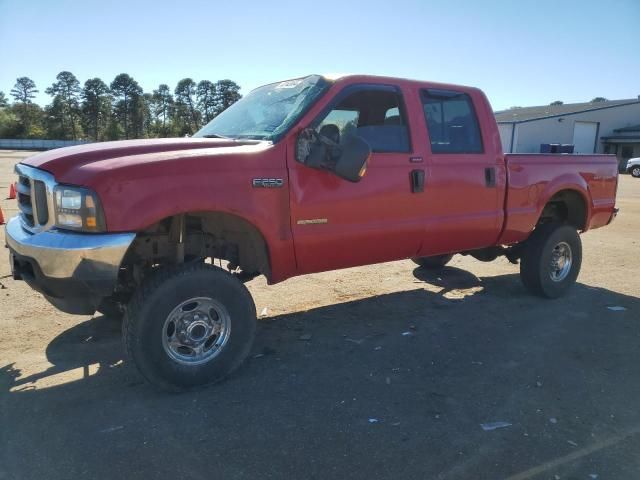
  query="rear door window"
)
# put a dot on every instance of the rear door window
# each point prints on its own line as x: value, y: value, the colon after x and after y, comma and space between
x: 452, y: 122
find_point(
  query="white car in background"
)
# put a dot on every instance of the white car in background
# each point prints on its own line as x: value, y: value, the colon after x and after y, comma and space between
x: 633, y: 167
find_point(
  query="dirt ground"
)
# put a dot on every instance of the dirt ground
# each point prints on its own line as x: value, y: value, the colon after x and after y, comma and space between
x: 362, y: 398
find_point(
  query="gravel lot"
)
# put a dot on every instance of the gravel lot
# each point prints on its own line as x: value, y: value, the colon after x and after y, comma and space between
x: 361, y: 398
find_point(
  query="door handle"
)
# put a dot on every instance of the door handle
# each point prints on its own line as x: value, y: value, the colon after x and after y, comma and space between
x: 490, y: 177
x: 417, y: 181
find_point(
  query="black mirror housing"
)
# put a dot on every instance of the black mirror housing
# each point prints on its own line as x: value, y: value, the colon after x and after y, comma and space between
x: 348, y: 160
x: 354, y: 157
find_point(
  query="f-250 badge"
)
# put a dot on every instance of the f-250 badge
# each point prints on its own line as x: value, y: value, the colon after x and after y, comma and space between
x: 267, y: 183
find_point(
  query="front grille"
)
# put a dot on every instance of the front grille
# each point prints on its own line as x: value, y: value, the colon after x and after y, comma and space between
x: 35, y: 197
x: 42, y: 209
x: 24, y: 200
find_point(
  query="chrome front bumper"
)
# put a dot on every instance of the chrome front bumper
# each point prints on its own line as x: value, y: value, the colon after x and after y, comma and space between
x: 67, y: 267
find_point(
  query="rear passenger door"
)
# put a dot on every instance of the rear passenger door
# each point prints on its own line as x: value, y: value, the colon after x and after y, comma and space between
x: 465, y: 178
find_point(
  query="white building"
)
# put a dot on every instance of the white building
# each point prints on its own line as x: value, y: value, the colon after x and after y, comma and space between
x: 598, y: 127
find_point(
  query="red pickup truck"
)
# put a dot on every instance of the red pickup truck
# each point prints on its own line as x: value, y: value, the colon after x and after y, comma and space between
x: 299, y: 176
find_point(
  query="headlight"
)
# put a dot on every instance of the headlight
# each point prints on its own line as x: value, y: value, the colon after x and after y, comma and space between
x: 78, y: 209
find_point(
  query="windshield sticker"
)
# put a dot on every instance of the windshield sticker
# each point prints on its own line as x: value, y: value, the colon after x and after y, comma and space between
x: 289, y: 84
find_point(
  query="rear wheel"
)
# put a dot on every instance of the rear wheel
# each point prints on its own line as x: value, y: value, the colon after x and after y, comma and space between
x: 635, y: 171
x: 433, y: 263
x: 551, y: 260
x: 189, y: 326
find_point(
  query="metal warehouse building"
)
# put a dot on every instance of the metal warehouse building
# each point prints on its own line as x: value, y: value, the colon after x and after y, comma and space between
x: 598, y: 127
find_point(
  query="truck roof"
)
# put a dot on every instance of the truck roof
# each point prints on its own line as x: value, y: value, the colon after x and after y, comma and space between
x: 367, y: 78
x: 335, y: 77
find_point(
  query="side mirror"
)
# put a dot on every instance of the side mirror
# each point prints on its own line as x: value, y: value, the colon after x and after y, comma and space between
x: 354, y: 158
x: 348, y: 160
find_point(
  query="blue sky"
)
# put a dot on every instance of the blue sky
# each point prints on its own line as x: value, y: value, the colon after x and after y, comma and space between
x: 521, y: 52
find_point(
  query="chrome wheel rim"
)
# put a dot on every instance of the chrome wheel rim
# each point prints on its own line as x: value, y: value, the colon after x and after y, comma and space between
x: 196, y: 331
x: 636, y: 171
x: 561, y: 261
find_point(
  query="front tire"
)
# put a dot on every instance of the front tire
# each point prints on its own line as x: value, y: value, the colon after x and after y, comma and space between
x: 635, y: 171
x: 189, y: 326
x: 433, y: 263
x: 111, y: 309
x: 551, y: 260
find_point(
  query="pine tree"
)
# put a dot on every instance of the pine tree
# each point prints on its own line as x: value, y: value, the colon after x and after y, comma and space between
x: 28, y: 117
x: 227, y: 93
x: 206, y: 94
x: 162, y: 110
x: 96, y: 108
x: 125, y: 91
x: 186, y: 111
x: 64, y: 112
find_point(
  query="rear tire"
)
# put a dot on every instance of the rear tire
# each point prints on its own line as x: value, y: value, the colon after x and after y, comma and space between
x: 635, y: 171
x: 189, y: 326
x: 551, y: 260
x: 433, y: 263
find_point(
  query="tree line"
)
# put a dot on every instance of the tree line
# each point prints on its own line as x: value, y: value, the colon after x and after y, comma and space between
x: 120, y: 110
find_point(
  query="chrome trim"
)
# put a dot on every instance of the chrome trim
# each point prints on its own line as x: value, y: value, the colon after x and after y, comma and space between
x: 560, y: 262
x: 312, y: 221
x: 60, y: 254
x: 198, y: 334
x: 34, y: 174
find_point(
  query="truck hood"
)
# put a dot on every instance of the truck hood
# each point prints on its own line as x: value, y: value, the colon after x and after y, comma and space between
x: 60, y: 162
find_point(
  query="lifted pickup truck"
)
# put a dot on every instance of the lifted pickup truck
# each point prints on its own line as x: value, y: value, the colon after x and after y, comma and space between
x: 300, y: 176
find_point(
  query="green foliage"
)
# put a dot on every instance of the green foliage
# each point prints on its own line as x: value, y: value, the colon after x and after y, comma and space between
x: 141, y: 115
x: 162, y: 110
x: 557, y: 102
x: 206, y: 93
x: 9, y: 127
x: 187, y: 114
x: 96, y: 108
x: 114, y: 130
x: 24, y: 90
x: 120, y: 110
x: 63, y: 115
x: 227, y: 93
x: 125, y: 92
x: 29, y: 120
x: 599, y: 99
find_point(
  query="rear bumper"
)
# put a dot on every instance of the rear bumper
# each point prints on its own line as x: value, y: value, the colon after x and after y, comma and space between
x: 74, y: 271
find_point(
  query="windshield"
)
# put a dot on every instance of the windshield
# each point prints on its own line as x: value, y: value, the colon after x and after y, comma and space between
x: 267, y: 112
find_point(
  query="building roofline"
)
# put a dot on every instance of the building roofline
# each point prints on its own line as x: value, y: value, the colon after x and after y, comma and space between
x: 621, y: 137
x: 631, y: 128
x: 567, y: 114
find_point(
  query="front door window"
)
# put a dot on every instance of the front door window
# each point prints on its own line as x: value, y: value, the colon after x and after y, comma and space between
x: 376, y: 115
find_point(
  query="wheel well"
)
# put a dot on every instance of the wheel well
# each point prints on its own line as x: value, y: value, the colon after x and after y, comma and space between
x: 565, y: 206
x: 196, y: 235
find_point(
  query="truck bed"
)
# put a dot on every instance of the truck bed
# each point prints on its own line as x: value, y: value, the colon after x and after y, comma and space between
x: 532, y: 179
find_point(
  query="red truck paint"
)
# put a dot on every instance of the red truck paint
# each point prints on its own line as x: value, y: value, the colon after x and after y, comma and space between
x: 344, y: 224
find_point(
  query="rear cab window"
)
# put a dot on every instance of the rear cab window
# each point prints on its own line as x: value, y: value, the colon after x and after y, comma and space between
x: 452, y: 122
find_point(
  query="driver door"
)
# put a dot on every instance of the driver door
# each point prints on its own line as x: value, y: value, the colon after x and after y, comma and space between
x: 338, y: 224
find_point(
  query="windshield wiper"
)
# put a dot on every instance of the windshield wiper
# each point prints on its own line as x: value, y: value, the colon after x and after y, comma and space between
x: 215, y: 135
x: 252, y: 137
